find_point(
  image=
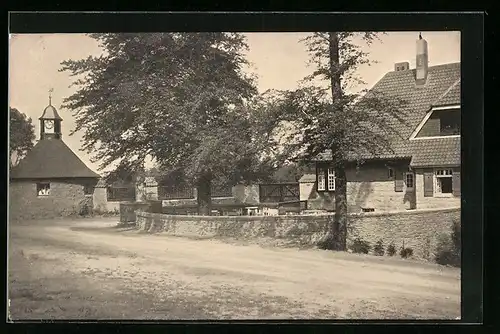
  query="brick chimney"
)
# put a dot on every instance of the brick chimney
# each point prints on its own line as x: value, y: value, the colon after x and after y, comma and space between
x: 422, y: 61
x: 402, y: 66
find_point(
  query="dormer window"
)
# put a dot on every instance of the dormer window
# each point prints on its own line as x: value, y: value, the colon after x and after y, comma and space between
x: 439, y: 122
x: 449, y: 122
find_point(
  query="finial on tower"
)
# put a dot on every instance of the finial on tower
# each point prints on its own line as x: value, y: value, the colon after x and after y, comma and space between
x: 50, y: 96
x: 420, y: 36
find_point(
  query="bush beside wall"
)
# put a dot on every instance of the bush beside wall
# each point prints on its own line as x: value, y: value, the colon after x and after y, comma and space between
x: 415, y: 229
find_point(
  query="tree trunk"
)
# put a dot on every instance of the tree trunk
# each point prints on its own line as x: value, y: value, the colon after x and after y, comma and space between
x: 204, y: 194
x: 339, y: 224
x: 334, y: 63
x: 340, y: 233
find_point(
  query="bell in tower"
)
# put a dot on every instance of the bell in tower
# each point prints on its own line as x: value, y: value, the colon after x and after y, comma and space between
x: 50, y: 122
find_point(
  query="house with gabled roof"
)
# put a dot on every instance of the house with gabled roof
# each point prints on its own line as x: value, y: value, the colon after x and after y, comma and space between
x: 51, y: 181
x: 422, y: 170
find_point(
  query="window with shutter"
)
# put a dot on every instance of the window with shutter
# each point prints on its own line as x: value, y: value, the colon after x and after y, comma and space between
x: 456, y: 183
x: 428, y: 184
x: 321, y: 179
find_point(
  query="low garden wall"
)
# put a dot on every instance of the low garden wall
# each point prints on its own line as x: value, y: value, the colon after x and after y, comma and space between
x: 418, y: 229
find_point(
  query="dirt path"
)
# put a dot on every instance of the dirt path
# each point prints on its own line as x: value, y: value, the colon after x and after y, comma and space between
x: 89, y: 269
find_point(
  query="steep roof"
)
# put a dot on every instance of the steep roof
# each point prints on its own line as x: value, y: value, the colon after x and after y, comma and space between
x: 450, y: 96
x: 51, y: 159
x: 442, y: 87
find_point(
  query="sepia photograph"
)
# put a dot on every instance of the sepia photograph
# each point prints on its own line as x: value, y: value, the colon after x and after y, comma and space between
x: 234, y: 176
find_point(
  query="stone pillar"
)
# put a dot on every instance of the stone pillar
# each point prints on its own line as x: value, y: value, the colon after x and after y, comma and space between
x: 140, y: 192
x: 151, y: 188
x: 100, y: 196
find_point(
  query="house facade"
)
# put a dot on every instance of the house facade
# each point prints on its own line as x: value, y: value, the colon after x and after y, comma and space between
x: 423, y: 169
x: 51, y: 181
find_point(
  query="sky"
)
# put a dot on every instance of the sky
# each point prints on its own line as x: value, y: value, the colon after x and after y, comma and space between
x: 279, y: 60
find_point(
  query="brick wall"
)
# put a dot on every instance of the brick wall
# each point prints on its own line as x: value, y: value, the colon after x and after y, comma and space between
x: 66, y: 198
x: 418, y: 229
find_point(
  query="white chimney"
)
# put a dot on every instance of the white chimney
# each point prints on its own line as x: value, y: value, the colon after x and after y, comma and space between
x: 422, y: 61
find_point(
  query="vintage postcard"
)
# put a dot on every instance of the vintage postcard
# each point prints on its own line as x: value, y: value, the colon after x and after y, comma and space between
x: 235, y: 176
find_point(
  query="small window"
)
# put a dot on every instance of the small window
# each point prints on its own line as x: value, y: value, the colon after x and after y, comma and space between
x: 409, y: 181
x: 331, y: 179
x: 43, y: 189
x: 321, y: 180
x: 367, y: 209
x: 390, y: 173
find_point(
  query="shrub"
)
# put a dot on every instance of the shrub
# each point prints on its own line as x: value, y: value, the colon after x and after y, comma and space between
x: 84, y: 210
x: 360, y: 246
x: 379, y: 248
x: 406, y: 252
x: 449, y: 247
x: 327, y: 243
x: 391, y: 250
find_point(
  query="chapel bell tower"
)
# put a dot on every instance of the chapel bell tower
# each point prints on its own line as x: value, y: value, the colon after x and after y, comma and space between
x: 50, y: 122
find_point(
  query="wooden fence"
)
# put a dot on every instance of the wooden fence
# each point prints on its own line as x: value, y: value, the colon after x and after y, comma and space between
x: 279, y: 192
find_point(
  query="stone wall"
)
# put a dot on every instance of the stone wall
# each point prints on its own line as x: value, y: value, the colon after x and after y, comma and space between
x: 66, y: 198
x: 418, y: 229
x: 304, y: 230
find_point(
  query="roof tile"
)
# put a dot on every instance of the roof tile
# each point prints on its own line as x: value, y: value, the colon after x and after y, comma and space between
x: 436, y: 152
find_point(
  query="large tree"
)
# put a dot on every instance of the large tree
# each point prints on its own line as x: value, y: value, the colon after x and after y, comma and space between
x: 181, y: 98
x: 328, y: 116
x: 22, y: 135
